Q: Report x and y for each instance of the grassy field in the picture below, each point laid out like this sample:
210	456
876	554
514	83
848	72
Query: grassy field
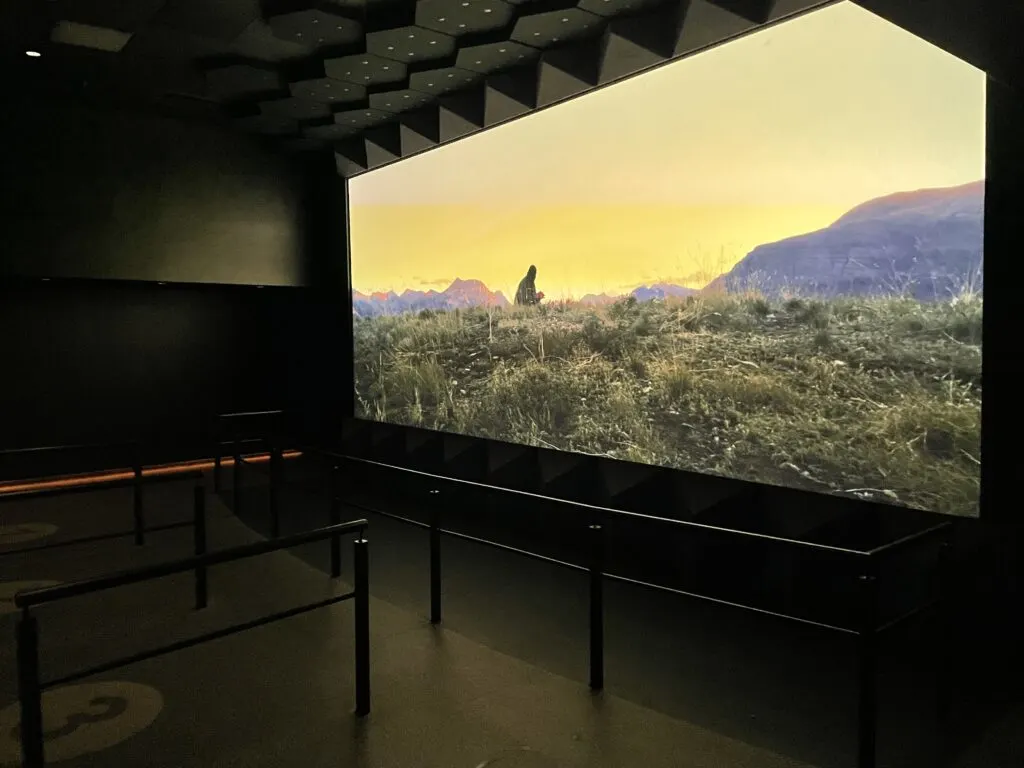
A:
878	398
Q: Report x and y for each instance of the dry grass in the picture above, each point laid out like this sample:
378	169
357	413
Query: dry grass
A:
877	398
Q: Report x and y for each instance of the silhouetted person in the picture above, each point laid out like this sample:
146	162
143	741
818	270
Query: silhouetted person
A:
526	294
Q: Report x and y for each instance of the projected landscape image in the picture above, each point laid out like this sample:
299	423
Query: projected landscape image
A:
763	262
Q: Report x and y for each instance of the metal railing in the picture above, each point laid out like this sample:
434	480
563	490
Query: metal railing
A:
866	632
236	440
137	480
31	686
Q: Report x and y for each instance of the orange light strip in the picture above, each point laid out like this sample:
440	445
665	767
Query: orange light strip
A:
97	478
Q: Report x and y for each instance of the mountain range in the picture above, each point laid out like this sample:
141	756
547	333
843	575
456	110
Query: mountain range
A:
927	244
459	295
473	293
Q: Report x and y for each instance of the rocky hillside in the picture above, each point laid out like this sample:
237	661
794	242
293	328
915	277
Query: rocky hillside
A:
927	244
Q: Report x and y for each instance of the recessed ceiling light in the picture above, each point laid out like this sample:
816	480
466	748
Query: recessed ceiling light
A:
406	96
462	26
487	10
433	42
565	19
391	47
33	54
411	36
316	21
441	18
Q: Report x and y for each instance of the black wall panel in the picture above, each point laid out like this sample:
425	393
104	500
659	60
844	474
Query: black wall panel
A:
88	361
106	194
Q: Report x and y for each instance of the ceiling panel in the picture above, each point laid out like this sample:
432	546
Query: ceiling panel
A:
400	100
444	80
127	17
328	90
362	118
492	57
296	109
463	17
545	29
218	19
410	44
366	69
316	29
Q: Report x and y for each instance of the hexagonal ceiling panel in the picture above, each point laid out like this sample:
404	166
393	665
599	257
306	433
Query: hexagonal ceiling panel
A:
334	69
410	44
365	69
494	56
463	17
399	101
556	27
296	109
328	90
616	7
316	28
440	81
331	131
362	118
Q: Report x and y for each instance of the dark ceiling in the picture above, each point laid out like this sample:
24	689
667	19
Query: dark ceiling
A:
375	80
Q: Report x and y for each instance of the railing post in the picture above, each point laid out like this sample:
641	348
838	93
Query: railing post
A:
943	693
236	479
435	565
362	625
30	691
335	518
199	535
275	471
596	607
137	514
867	663
217	450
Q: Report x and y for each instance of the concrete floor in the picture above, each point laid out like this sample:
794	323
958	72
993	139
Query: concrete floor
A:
501	684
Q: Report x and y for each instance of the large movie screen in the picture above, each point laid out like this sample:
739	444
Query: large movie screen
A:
762	262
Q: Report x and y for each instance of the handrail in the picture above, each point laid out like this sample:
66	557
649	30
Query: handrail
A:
854	553
33	597
87	482
69	447
901	542
244	414
865	633
613	576
31	686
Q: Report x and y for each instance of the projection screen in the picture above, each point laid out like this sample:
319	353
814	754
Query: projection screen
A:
763	262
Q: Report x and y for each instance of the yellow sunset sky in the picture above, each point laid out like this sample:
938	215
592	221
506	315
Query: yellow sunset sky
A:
677	174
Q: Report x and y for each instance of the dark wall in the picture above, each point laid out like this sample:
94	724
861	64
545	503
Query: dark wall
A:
94	361
107	194
130	271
